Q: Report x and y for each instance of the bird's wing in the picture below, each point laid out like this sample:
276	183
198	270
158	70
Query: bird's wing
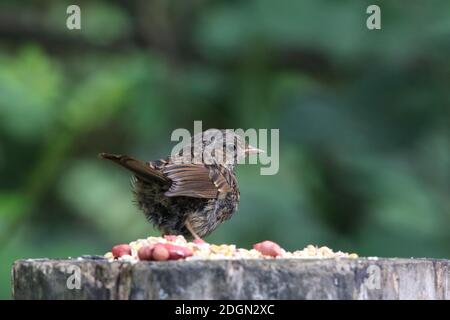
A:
195	180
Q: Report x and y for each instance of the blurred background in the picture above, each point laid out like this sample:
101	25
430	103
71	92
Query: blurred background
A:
363	118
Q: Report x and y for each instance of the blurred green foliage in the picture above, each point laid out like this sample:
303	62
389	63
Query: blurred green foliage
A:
363	117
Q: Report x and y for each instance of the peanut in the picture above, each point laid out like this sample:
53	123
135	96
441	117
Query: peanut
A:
268	248
177	252
120	250
160	252
145	253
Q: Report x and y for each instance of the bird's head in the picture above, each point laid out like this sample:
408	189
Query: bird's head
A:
221	146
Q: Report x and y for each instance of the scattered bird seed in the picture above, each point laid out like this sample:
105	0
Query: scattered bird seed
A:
176	247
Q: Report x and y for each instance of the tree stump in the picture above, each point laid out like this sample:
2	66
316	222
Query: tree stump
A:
363	278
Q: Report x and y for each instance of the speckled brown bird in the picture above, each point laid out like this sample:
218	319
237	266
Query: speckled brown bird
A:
184	195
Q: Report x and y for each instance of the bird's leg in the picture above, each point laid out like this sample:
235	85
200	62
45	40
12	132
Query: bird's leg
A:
191	230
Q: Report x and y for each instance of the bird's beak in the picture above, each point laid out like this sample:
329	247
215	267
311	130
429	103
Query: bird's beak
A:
253	150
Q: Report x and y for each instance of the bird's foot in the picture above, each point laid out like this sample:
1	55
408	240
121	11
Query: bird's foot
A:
197	239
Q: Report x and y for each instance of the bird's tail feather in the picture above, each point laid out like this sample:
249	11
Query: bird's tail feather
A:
139	168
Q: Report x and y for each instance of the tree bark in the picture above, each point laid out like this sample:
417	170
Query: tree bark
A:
362	278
